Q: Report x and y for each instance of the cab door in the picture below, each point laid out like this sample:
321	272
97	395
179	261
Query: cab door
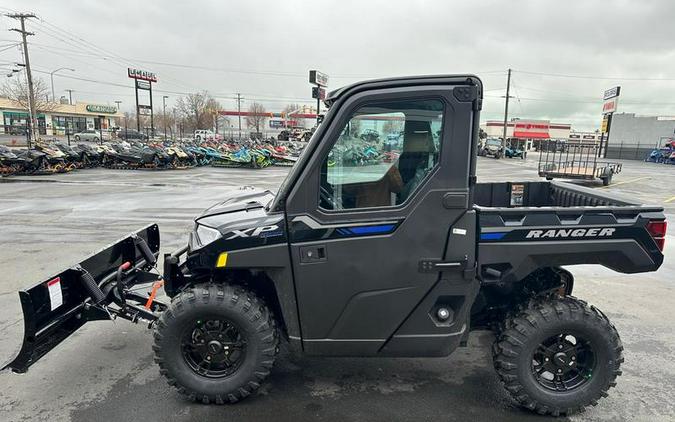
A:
375	204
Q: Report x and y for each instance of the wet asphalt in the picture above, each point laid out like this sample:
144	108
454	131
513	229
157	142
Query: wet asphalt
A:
105	371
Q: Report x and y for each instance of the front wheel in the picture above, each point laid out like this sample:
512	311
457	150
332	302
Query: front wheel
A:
558	356
216	343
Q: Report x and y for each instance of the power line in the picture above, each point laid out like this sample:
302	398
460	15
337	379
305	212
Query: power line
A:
619	78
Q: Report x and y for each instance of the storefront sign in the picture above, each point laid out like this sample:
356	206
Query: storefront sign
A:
141	74
534	129
603	127
95	108
318	78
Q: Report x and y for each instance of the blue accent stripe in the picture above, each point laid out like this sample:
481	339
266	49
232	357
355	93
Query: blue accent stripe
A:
372	229
492	236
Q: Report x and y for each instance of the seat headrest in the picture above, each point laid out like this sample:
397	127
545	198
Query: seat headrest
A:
417	137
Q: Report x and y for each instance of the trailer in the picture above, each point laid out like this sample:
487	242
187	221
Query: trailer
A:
575	161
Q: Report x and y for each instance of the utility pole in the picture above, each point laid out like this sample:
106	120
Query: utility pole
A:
239	98
164	97
31	96
506	104
70	96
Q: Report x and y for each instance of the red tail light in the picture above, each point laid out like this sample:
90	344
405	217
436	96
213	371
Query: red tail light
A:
657	229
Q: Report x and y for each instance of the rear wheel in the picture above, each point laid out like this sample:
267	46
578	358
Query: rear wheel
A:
215	343
558	356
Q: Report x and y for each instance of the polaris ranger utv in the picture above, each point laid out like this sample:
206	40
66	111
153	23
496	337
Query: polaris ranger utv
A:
384	259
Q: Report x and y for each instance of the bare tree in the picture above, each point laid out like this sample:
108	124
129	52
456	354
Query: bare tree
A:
290	108
16	89
257	117
197	110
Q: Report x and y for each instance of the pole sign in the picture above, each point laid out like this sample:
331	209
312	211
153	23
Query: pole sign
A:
143	80
318	78
611	100
612	92
141	74
603	127
141	84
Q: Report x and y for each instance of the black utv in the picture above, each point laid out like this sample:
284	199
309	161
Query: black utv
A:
401	258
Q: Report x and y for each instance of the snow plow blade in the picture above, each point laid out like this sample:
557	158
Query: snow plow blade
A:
95	289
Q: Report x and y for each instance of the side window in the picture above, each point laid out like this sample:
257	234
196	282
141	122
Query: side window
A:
382	155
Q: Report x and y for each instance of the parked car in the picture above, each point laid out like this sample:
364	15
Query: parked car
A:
207	135
127	134
18	130
88	135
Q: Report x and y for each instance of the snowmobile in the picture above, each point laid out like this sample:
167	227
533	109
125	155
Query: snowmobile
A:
91	156
34	161
56	159
72	156
200	154
10	163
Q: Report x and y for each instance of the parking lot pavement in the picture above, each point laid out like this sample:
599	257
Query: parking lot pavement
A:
105	371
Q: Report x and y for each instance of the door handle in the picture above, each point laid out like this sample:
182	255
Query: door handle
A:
310	254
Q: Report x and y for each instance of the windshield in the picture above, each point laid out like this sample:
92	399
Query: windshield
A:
494	142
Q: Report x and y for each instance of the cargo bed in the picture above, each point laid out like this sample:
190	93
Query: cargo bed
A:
524	226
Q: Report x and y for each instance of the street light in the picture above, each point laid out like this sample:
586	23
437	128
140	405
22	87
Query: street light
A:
51	76
164	112
118	102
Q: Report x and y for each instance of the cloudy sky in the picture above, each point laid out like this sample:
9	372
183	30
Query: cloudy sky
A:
564	53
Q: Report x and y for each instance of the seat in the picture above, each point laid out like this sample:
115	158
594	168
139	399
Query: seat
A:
414	162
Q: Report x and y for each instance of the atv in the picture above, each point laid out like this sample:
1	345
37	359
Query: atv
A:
401	259
512	152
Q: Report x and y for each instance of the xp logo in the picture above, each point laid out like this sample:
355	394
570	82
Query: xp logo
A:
262	231
564	233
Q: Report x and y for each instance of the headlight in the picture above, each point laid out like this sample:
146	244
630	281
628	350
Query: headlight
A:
206	235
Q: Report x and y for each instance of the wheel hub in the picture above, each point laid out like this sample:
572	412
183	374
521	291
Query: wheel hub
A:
214	348
563	362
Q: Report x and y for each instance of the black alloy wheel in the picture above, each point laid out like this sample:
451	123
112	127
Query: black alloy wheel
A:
214	348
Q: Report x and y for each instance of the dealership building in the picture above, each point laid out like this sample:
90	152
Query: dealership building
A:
632	136
77	117
527	132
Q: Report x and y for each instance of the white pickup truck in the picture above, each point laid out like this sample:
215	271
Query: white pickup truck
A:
207	135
